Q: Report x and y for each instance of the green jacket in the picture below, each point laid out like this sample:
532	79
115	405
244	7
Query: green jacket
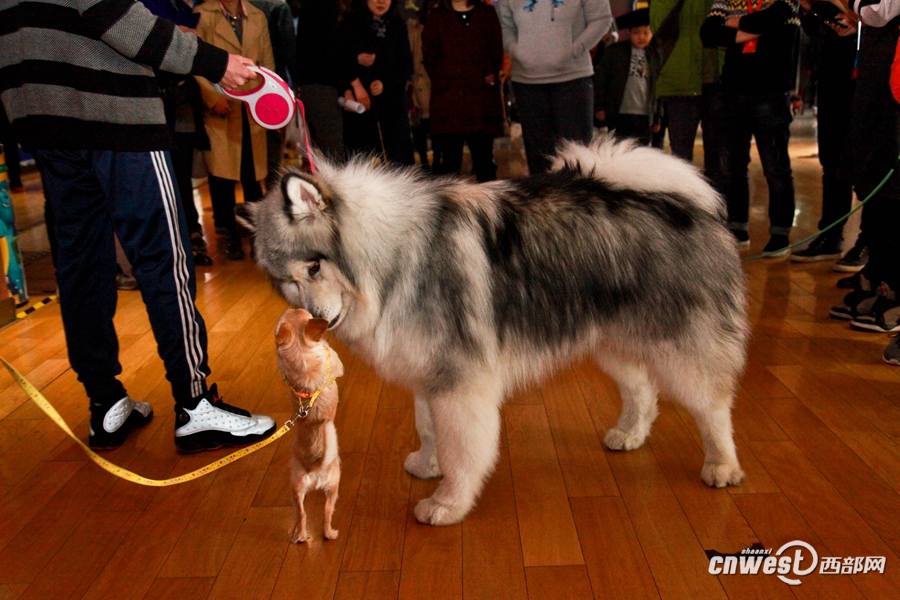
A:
690	65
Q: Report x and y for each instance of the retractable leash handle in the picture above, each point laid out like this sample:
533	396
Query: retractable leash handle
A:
272	104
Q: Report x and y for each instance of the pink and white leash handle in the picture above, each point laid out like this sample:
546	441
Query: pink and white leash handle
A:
272	104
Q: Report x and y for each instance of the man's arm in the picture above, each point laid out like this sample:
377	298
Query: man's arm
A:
133	31
507	25
713	32
599	18
877	13
769	19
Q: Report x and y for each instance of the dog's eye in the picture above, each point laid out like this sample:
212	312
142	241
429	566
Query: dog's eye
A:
314	269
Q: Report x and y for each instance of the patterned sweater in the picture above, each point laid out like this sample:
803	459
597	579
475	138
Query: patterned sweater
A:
766	66
78	74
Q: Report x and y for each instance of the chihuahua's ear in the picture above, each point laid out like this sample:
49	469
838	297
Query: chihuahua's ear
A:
302	199
284	334
315	329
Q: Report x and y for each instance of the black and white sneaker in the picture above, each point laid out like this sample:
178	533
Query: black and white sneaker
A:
857	304
855	259
892	353
110	425
884	316
778	246
210	424
741	238
823	247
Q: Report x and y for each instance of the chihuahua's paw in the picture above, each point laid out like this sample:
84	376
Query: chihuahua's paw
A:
298	536
331	534
422	465
432	512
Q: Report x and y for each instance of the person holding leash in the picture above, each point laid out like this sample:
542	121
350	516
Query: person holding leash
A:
77	88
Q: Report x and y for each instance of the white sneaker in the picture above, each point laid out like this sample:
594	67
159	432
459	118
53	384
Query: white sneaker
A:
110	425
211	424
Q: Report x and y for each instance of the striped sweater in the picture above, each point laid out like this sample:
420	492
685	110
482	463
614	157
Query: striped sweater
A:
78	74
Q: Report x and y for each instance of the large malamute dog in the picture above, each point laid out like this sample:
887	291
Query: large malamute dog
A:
463	292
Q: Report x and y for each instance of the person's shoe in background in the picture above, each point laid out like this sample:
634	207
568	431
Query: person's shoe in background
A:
778	246
855	259
823	247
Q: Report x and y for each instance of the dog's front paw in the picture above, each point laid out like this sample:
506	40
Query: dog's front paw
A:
617	439
422	465
720	475
298	535
431	512
331	534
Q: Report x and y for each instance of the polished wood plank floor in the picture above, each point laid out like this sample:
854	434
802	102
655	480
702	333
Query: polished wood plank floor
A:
817	424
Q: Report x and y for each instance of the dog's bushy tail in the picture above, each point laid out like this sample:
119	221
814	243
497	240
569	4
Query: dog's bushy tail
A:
623	164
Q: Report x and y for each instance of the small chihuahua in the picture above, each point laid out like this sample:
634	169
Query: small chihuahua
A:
310	367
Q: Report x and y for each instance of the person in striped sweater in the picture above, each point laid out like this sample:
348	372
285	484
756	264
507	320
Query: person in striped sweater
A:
77	81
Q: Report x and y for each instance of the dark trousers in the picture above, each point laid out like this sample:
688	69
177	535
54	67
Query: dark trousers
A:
882	218
715	144
835	104
767	119
183	164
552	112
221	191
481	147
323	117
382	130
96	196
635	127
682	116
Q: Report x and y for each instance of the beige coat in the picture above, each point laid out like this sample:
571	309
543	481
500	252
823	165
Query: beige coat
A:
224	158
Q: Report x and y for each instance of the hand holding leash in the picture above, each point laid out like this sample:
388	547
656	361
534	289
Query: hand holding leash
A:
270	102
238	71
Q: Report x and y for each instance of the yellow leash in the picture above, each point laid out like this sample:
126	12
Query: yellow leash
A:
125	474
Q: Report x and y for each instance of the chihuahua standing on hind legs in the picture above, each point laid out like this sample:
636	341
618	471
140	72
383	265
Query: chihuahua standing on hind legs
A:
310	367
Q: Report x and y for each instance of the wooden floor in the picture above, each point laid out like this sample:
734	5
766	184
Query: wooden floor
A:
817	425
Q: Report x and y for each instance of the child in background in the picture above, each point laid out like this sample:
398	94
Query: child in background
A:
376	41
626	81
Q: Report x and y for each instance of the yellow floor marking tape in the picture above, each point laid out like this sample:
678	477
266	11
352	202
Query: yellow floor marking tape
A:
118	471
37	305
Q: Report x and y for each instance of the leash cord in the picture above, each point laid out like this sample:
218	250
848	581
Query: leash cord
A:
839	221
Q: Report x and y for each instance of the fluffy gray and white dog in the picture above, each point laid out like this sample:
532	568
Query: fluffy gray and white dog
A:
463	292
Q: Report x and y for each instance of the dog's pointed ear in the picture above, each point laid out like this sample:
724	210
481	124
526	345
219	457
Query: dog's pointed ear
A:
301	198
315	329
283	334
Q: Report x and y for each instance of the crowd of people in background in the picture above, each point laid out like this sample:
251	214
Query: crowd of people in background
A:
416	81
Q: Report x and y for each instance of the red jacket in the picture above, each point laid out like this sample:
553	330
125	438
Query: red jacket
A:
458	58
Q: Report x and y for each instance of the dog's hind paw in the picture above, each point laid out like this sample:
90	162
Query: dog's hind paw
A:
617	439
331	534
432	512
421	465
720	475
298	537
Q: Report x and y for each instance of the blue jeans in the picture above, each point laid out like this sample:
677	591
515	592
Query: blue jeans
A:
767	118
92	197
552	112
